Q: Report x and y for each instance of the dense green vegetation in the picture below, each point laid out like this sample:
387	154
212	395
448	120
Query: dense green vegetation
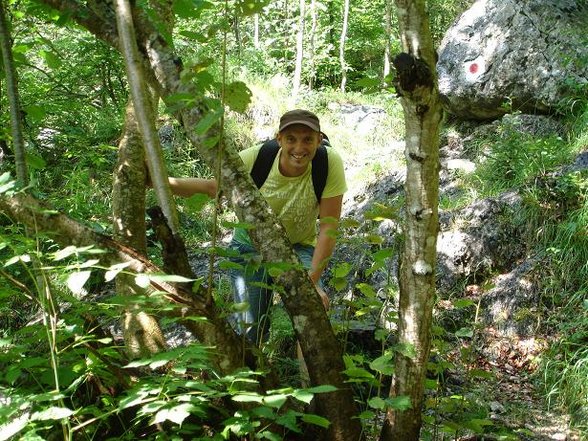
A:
64	375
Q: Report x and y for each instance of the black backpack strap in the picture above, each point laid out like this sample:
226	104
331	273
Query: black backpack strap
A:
263	163
320	169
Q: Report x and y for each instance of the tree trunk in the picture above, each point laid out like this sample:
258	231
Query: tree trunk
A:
388	34
311	62
143	105
256	31
299	51
416	83
342	46
13	100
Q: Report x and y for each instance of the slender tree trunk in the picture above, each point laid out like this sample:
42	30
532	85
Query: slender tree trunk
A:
141	331
13	99
342	46
256	31
144	113
312	54
388	33
299	51
416	82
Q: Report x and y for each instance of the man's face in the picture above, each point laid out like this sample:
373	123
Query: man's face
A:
299	145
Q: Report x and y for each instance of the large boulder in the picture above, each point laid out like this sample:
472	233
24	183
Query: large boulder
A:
504	55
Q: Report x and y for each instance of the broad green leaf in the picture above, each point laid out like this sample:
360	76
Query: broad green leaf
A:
76	281
377	403
480	373
248	398
238	96
35	112
52	60
405	349
276	400
227	265
142	280
197	202
399	403
464	332
250	7
210	119
366	289
342	269
383	364
266	434
35	162
52	413
190	8
114	270
169	278
316	420
463	303
175	414
325	388
8	431
244	225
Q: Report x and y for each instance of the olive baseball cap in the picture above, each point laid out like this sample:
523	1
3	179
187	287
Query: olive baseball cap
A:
300	116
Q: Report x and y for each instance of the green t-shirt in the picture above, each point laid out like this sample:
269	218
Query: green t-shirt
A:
292	199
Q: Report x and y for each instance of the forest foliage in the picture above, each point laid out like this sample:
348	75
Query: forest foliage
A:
63	376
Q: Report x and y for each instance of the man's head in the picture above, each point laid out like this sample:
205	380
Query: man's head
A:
299	137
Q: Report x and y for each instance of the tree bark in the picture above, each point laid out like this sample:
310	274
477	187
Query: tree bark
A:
18	146
342	45
299	51
144	112
388	33
312	49
416	83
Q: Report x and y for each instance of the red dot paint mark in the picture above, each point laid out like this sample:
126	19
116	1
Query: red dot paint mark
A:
473	68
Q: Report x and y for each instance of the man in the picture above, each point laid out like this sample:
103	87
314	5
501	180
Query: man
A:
290	193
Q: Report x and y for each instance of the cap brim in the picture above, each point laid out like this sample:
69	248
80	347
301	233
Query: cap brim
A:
304	123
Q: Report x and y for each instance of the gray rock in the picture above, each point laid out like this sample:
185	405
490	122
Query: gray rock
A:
504	55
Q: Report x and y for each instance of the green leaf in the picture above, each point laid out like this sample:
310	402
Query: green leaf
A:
377	403
341	270
210	119
35	162
76	281
52	60
197	202
480	373
190	8
325	388
316	420
275	401
114	270
52	413
464	332
366	289
383	364
463	303
405	349
399	403
247	398
142	280
227	265
238	96
34	112
250	7
172	278
175	414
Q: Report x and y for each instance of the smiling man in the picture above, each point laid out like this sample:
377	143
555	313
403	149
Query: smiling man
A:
289	189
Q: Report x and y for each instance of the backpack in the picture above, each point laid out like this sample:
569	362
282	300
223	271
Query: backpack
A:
267	154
